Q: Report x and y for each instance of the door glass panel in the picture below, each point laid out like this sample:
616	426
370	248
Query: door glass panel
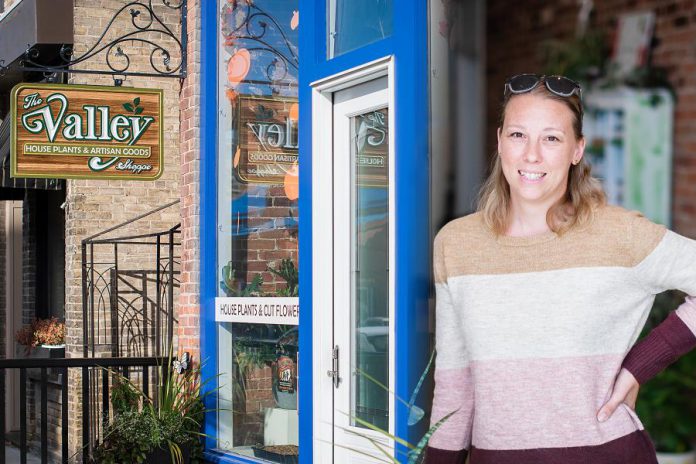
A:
370	268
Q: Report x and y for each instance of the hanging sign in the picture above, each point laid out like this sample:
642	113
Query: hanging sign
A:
267	148
258	310
86	132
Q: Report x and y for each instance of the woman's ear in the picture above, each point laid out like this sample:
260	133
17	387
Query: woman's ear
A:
498	135
579	150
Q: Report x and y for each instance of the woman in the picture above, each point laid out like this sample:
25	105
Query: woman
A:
541	295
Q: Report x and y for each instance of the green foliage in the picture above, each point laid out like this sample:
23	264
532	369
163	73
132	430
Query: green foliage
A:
289	273
124	397
129	438
416	452
250	356
581	58
586	60
171	423
667	403
228	283
286	271
134	434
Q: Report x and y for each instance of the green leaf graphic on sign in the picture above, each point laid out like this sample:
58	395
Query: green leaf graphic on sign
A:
128	107
136	102
139	110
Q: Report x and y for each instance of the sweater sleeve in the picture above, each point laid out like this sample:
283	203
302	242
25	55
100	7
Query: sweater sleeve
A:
453	382
670	264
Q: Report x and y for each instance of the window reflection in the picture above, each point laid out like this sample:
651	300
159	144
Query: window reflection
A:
257	183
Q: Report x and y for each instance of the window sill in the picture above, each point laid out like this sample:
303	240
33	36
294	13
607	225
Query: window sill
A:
221	457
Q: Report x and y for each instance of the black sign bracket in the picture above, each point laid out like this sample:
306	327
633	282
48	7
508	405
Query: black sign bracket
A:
140	29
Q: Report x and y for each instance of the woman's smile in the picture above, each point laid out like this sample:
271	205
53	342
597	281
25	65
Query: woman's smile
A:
532	177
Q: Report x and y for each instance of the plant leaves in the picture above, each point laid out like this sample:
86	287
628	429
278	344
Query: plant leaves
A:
139	110
415	413
370	426
136	102
128	107
414	458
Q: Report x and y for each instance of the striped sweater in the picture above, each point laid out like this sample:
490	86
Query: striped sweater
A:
532	331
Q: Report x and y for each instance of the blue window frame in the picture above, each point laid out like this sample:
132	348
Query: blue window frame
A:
408	44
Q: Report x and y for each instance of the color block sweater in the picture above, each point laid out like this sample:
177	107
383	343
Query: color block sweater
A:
532	331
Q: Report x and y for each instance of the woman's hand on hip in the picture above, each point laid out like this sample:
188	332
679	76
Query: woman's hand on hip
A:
625	391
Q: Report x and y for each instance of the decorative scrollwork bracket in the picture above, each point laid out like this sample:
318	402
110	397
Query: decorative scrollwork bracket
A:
144	30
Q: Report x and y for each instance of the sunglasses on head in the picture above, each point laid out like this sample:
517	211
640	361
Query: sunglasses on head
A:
558	85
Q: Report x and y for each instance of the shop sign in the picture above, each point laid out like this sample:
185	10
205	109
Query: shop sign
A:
86	132
258	310
267	148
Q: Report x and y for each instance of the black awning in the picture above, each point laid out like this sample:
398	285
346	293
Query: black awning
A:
34	22
19	183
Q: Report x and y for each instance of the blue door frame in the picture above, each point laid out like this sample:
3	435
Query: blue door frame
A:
408	46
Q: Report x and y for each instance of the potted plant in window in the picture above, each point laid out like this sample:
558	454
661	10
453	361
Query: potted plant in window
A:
667	403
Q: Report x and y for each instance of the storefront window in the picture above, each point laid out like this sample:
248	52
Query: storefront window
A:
257	254
355	23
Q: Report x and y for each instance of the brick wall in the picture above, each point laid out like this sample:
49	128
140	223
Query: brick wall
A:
255	397
269	242
3	288
189	296
29	244
513	36
95	205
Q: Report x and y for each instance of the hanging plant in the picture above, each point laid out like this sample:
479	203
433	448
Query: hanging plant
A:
582	58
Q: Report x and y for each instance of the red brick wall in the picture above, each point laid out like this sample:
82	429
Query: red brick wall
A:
513	36
249	416
189	295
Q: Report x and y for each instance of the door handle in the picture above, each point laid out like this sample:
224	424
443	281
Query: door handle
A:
333	373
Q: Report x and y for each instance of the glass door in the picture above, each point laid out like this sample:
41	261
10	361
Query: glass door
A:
362	316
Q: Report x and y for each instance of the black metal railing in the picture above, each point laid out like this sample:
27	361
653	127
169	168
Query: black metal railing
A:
128	290
91	370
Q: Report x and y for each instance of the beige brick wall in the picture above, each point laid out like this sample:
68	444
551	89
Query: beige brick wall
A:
95	205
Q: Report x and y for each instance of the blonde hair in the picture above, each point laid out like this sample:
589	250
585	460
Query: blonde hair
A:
583	193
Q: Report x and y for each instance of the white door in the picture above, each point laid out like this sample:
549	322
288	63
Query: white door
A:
357	337
13	309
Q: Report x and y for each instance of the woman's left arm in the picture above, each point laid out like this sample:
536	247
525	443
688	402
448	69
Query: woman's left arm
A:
665	261
670	265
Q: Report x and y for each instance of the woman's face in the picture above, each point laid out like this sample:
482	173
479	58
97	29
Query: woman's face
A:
537	146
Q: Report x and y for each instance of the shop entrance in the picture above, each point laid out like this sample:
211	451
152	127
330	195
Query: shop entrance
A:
352	274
